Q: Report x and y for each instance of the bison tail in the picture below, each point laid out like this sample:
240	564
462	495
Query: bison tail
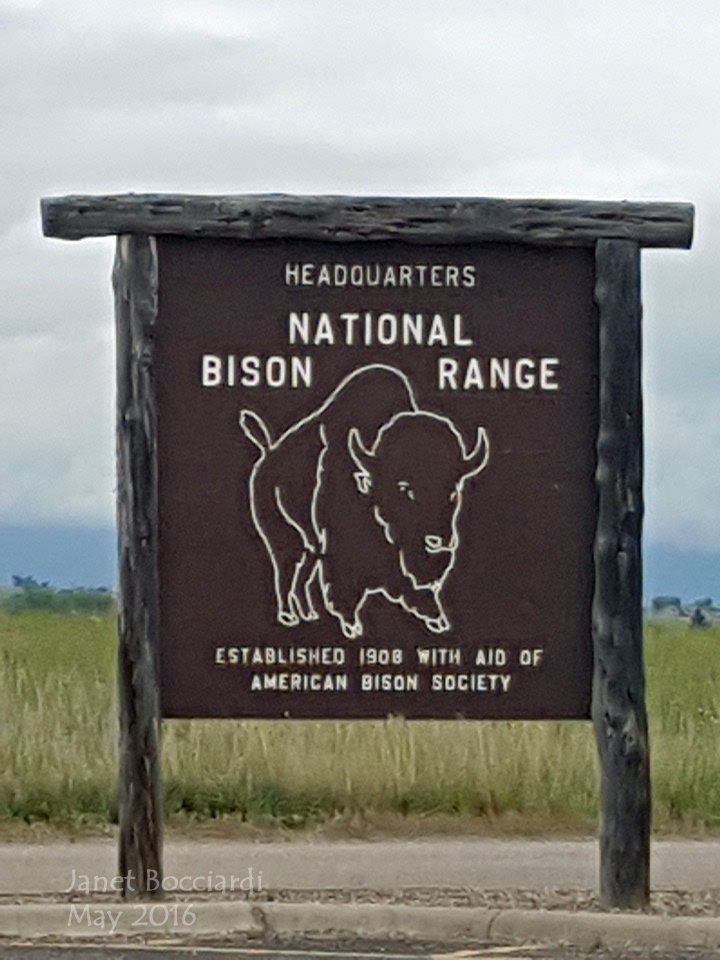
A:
255	430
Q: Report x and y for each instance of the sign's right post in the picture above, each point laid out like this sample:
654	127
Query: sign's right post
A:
618	701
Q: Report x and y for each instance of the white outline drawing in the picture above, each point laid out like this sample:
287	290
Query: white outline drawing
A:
300	546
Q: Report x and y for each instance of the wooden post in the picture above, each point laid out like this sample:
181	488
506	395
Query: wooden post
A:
618	709
140	806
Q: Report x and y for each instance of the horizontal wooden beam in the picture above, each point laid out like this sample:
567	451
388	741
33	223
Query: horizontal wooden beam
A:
348	219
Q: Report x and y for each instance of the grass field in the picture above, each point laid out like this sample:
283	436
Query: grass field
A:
58	750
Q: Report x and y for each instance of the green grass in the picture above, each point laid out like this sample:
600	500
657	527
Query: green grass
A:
683	694
58	749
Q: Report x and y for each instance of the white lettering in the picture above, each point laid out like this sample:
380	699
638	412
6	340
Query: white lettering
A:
499	371
405	275
525	381
300	682
301	370
389	682
547	373
470	682
412	327
324	331
439	656
379	275
78	916
531	658
447	373
458	338
490	657
299	326
473	375
276	371
250	367
350	321
211	370
437	333
387	329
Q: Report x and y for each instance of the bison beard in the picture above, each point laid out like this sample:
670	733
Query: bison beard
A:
360	519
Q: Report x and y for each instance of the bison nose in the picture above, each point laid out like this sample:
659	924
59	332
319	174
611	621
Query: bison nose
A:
434	543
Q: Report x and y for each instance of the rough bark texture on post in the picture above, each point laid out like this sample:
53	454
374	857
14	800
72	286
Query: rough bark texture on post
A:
140	810
618	710
348	219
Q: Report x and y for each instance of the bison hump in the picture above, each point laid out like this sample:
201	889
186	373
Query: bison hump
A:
366	399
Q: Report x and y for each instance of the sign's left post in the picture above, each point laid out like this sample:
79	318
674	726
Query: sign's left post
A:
135	281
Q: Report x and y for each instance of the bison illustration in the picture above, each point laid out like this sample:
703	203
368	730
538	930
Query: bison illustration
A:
362	497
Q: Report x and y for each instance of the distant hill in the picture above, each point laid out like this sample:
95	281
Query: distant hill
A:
684	573
73	556
64	556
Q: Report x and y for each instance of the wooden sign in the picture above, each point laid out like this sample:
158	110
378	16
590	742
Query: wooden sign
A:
381	456
376	479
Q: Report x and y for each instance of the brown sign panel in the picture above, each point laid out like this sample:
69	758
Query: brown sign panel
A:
376	478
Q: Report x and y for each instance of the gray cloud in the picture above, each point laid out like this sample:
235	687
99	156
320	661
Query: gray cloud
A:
411	97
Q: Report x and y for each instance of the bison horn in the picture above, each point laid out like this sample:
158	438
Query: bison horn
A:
477	459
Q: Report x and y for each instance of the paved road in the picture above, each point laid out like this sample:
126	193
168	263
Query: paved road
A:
326	951
488	864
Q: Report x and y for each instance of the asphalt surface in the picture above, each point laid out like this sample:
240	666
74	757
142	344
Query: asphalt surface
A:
63	892
350	951
482	864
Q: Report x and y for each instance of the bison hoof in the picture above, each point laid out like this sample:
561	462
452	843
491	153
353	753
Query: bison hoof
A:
440	624
288	619
309	614
351	630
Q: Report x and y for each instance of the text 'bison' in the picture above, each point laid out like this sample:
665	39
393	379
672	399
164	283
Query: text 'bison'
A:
362	497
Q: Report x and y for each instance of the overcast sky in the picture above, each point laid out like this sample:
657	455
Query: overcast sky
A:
513	98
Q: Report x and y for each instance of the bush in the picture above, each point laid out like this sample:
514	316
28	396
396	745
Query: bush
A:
28	595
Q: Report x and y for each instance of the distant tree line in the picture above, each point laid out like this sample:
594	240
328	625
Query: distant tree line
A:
28	594
701	612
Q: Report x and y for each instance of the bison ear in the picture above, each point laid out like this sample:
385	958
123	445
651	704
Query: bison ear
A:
477	459
363	461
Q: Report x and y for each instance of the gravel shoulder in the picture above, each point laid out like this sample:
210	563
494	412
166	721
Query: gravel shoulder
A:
666	903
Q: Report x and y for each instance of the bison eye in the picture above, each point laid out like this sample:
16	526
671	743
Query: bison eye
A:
405	488
455	496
